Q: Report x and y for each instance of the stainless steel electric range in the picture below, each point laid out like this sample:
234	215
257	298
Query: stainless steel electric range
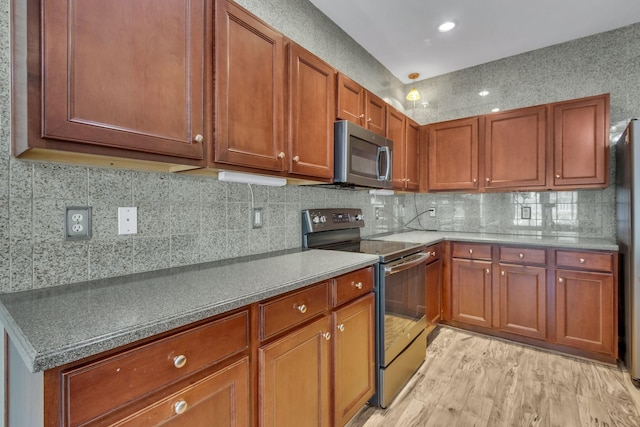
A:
400	287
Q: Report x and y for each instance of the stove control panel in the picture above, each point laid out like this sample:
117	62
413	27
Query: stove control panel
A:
315	220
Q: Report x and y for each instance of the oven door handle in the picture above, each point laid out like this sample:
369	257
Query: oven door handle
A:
414	261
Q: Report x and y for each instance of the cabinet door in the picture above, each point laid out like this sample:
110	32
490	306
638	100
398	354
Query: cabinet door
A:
294	378
249	90
523	307
471	291
354	357
222	396
126	73
581	142
515	148
453	155
412	155
350	100
585	308
434	292
375	112
312	87
396	133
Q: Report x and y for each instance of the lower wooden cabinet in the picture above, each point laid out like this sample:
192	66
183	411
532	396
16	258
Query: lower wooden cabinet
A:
433	304
222	396
585	310
294	378
523	295
471	291
354	358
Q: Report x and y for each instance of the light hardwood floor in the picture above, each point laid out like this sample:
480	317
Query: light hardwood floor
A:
473	380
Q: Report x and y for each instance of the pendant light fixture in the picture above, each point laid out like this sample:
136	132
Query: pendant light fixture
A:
413	94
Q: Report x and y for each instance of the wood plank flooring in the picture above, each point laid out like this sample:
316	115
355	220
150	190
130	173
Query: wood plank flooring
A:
473	380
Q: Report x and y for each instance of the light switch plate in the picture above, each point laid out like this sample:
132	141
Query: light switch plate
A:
128	220
77	223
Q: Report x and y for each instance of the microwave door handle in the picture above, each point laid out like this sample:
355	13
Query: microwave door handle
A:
384	177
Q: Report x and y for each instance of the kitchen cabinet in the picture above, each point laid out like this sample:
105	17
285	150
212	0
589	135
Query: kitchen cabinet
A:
433	305
471	284
249	91
515	149
184	376
586	296
358	105
581	143
405	134
523	291
127	79
453	155
311	102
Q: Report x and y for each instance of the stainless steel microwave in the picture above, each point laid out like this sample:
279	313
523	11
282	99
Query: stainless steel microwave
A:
361	158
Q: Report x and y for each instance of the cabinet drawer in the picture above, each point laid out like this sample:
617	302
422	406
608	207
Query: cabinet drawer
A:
522	255
471	251
351	285
99	387
290	310
601	261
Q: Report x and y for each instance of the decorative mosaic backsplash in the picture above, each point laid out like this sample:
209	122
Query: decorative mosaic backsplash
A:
186	219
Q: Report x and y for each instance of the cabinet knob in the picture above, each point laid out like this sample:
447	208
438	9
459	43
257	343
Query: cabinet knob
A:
470	251
302	308
198	138
488	179
502	273
433	254
296	159
180	361
358	285
582	261
558	176
341	327
326	336
281	155
488	271
560	280
521	256
180	407
475	180
361	116
369	119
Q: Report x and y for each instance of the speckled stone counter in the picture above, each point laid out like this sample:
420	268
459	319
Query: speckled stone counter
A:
54	326
431	237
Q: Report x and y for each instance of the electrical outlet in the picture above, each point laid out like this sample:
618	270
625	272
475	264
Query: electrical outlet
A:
77	223
525	212
432	212
257	218
128	220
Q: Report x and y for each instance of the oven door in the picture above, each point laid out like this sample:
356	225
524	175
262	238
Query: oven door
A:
401	305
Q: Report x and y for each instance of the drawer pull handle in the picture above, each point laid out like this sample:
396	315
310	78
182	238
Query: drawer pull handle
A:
341	327
502	273
560	280
358	285
326	336
488	271
582	260
521	256
557	176
433	254
180	361
470	251
302	308
180	407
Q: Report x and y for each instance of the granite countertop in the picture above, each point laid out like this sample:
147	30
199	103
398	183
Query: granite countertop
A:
431	237
54	326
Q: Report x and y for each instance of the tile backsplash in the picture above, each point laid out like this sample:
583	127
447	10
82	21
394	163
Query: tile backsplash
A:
185	219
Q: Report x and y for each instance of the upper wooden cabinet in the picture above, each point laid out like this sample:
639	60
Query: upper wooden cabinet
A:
515	148
453	155
249	90
311	102
360	106
405	134
581	142
114	78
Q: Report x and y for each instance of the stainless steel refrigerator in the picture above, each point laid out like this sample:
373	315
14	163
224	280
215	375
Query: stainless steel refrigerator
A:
628	230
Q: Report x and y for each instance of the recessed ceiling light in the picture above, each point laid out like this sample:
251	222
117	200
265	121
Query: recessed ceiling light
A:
483	93
495	110
446	26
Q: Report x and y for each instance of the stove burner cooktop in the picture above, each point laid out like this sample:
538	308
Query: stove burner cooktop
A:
386	250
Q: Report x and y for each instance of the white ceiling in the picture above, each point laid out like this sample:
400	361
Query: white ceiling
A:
403	34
